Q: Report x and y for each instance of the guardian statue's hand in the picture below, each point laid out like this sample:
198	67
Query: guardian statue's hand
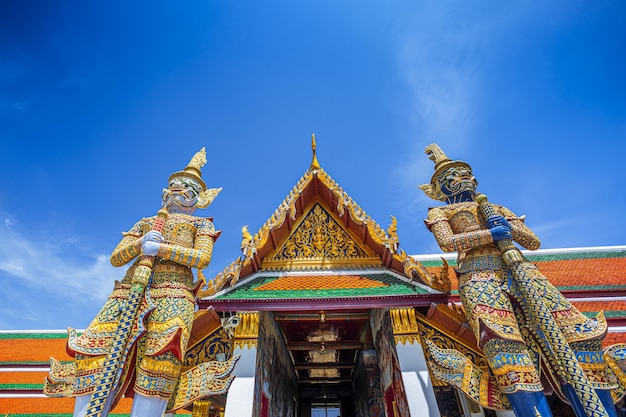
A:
499	233
494	221
152	236
499	227
150	248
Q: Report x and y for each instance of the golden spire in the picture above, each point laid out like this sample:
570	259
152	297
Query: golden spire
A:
314	163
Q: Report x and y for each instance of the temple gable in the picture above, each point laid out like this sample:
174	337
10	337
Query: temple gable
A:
319	240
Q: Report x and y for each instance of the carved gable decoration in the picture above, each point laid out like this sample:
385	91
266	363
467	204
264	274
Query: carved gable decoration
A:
320	241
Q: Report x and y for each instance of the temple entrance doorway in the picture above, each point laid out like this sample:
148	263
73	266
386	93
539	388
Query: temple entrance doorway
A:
330	353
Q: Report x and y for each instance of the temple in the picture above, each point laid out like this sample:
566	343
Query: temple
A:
330	317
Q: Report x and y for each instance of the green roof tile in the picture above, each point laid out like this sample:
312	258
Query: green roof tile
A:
391	286
541	257
4	387
547	257
611	314
60	335
591	287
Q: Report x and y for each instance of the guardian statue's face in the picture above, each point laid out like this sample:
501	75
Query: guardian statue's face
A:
181	195
457	180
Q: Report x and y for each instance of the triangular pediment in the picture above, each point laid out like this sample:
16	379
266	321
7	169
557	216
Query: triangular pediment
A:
320	240
318	226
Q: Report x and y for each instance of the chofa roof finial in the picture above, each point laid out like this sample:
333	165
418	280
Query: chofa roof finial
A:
314	164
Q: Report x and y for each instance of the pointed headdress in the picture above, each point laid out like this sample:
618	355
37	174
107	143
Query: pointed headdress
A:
193	171
442	163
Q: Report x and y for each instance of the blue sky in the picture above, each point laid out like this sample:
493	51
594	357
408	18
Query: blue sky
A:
100	102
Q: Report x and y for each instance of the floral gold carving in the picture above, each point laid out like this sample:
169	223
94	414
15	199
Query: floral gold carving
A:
319	238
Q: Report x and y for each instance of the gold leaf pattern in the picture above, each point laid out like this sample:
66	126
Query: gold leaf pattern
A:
319	236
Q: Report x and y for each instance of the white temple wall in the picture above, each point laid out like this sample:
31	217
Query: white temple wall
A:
246	364
417	383
240	397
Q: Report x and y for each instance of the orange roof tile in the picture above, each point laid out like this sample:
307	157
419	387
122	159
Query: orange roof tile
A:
320	282
585	272
22	377
55	406
50	406
614	338
610	307
580	273
32	350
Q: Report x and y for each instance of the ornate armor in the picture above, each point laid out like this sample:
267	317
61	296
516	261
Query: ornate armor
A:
520	320
171	290
485	293
136	344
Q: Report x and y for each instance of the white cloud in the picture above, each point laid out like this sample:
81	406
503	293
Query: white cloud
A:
441	56
437	57
49	264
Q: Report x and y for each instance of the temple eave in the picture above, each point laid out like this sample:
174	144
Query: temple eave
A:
326	304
